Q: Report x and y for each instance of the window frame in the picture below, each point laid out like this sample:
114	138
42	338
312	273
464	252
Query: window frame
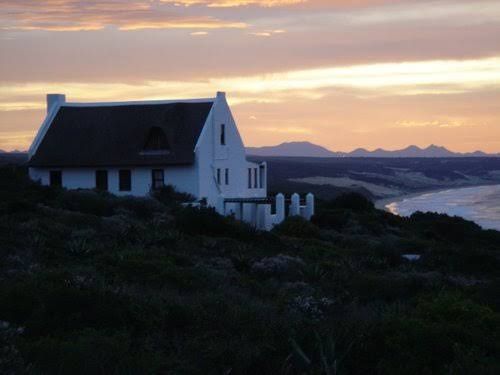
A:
157	142
222	134
217	176
255	178
249	178
101	176
261	177
55	178
157	183
226	176
125	180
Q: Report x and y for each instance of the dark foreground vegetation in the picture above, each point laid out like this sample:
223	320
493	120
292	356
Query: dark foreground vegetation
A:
95	284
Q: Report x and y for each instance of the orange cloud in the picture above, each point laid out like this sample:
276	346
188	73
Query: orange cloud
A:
87	15
77	15
235	3
278	3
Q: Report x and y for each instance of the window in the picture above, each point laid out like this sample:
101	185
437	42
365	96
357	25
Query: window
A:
223	134
125	180
249	178
101	180
55	178
227	176
157	141
218	176
261	176
158	179
255	178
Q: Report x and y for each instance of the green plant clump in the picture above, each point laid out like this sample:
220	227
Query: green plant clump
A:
91	283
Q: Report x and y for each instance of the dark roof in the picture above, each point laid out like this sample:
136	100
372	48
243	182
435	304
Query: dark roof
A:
115	135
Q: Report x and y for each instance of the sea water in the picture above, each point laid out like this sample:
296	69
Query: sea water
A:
480	204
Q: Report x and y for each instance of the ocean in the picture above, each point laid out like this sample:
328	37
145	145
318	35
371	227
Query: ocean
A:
480	204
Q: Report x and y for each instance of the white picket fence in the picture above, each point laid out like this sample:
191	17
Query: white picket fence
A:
258	211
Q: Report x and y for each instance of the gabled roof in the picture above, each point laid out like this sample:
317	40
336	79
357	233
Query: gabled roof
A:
115	134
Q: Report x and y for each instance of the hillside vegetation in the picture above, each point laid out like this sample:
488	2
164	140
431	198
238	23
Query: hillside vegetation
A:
95	284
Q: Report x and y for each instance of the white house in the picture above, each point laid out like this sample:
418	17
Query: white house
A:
132	148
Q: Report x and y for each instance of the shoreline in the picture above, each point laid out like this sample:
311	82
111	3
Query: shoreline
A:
381	204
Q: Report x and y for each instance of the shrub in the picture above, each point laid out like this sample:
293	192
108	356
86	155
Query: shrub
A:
148	268
142	208
445	331
386	288
102	284
351	201
296	226
441	226
170	197
277	266
11	361
90	352
331	218
207	221
87	201
55	303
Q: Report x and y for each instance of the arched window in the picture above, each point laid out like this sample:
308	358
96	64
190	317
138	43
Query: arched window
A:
157	141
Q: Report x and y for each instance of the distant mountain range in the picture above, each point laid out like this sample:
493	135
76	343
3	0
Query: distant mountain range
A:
293	149
13	152
308	149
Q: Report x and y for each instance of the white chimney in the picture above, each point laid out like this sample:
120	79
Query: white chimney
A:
53	100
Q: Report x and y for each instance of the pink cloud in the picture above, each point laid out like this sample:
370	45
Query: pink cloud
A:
77	15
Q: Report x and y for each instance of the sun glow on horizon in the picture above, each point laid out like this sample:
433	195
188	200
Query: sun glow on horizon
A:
372	79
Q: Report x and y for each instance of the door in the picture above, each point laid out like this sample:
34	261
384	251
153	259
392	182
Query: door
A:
101	180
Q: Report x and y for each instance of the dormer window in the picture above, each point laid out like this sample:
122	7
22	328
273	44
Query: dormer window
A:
156	142
223	134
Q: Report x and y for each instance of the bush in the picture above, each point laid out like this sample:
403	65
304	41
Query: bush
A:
207	221
147	268
11	361
331	218
55	303
351	201
297	226
446	331
90	352
87	201
93	283
170	197
143	208
441	226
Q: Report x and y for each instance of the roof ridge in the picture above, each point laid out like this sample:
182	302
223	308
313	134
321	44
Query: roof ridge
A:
135	102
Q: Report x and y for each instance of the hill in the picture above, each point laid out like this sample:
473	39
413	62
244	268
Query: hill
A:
92	283
292	149
307	149
13	158
432	151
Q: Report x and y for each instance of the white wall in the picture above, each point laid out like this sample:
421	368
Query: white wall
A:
183	178
211	155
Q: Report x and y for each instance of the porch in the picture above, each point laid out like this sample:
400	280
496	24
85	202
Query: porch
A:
264	213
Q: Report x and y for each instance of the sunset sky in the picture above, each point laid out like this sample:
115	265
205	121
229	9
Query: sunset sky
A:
343	74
